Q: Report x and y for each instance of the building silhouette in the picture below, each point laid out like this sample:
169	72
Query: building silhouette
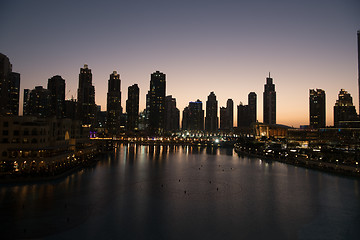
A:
230	114
252	103
86	107
227	116
269	101
224	119
344	110
211	119
317	108
172	115
243	116
156	103
114	109
56	86
37	102
70	109
193	116
9	88
132	108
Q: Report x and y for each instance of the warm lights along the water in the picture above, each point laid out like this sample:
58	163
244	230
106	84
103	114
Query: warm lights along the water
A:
142	192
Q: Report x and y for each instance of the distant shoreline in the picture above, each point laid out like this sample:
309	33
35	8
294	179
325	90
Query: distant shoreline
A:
340	170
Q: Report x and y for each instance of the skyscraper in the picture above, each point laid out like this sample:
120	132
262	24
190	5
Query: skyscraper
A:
132	108
317	108
172	114
211	119
38	102
230	113
56	86
243	117
224	119
193	116
9	88
344	110
252	107
227	116
156	103
86	107
269	101
114	110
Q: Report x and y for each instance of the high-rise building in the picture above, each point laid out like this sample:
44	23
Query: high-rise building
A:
132	108
193	117
227	116
172	115
224	119
156	103
317	108
252	103
269	101
344	110
243	115
39	102
211	119
86	107
56	86
26	102
230	113
9	88
114	110
70	109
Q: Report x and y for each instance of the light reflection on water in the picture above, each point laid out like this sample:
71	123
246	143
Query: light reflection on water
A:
180	192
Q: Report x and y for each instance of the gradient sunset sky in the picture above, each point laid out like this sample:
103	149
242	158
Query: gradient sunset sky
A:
228	47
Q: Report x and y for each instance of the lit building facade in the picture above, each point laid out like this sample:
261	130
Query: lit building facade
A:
156	103
37	102
317	108
344	110
9	88
86	107
114	109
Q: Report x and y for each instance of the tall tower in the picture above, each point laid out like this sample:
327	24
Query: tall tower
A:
252	107
9	88
269	102
86	107
344	110
172	114
56	86
230	113
132	108
211	119
317	108
193	116
156	103
114	110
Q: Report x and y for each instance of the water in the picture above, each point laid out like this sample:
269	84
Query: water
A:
141	192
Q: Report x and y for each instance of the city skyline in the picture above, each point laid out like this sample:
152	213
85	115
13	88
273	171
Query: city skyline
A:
227	48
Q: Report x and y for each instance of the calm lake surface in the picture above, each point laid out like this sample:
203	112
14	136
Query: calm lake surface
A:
142	192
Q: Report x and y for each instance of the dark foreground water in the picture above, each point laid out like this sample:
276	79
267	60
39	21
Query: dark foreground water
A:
142	192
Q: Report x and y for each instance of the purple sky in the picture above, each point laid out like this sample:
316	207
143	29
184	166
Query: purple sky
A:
223	46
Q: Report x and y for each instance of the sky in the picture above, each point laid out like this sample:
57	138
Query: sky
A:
228	47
